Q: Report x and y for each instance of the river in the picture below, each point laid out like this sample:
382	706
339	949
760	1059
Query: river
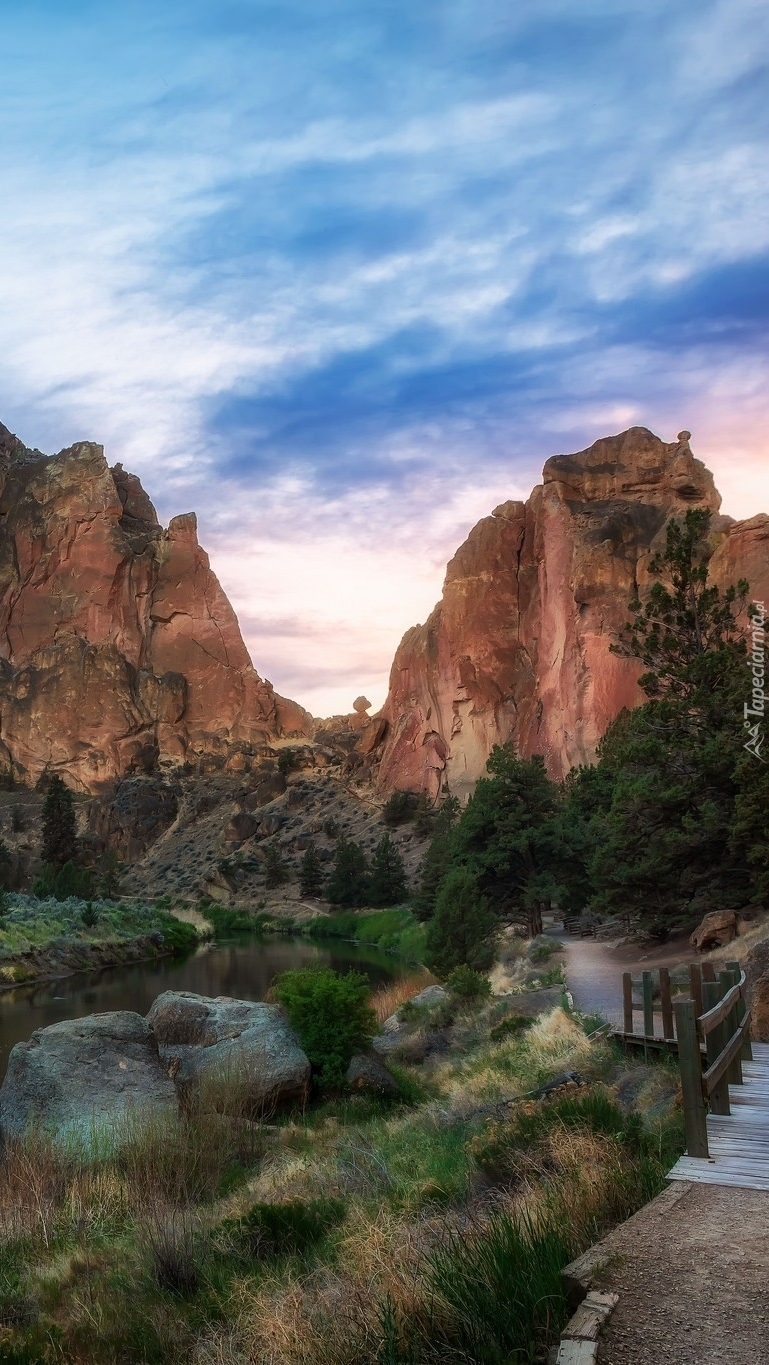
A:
243	968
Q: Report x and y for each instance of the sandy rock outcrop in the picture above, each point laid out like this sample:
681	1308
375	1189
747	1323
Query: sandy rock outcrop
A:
82	1075
248	1043
518	647
118	647
715	930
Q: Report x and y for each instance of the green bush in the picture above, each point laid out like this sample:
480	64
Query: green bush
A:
467	984
276	872
287	1229
394	931
509	1027
234	919
542	948
178	937
287	760
89	915
400	808
331	1015
64	882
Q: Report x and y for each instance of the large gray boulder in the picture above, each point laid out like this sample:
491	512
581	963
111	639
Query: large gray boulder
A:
242	1043
84	1076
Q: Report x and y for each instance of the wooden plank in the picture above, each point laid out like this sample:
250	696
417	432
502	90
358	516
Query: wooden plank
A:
717	1069
729	984
648	1004
695	985
627	1002
690	1064
747	1050
714	1082
715	1016
708	971
589	1318
667	1007
577	1352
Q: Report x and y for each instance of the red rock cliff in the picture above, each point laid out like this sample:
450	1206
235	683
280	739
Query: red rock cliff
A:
117	644
518	647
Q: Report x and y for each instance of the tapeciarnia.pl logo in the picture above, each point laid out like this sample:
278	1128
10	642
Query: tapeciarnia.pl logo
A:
756	707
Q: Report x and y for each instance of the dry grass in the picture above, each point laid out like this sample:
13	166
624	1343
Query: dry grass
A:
389	998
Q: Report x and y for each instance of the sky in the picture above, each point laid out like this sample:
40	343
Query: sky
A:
340	277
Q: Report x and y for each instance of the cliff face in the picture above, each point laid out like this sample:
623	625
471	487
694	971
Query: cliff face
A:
117	645
518	647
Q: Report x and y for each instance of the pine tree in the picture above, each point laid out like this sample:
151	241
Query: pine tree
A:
311	873
387	880
108	878
463	928
348	883
515	836
437	859
59	825
683	833
275	871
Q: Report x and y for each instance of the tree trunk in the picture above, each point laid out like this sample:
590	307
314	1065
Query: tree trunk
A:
535	919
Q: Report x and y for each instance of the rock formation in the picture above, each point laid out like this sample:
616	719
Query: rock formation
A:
85	1074
118	647
246	1042
518	647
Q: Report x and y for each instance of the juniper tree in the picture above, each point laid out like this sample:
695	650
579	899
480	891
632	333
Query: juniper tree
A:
348	883
311	872
59	825
387	879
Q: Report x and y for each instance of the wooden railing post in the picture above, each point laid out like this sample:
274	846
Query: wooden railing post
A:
712	993
690	1063
627	1002
742	1009
695	984
648	1001
728	979
667	1007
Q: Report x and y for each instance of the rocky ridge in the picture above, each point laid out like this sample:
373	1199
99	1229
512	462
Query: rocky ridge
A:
518	648
118	648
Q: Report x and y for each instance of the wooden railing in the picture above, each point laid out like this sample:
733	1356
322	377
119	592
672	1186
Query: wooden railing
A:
713	1032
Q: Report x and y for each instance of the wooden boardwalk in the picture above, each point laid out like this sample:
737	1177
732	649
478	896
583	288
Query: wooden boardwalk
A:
738	1142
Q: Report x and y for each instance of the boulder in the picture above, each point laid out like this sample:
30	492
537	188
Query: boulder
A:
247	1041
242	826
715	930
85	1073
265	790
394	1029
368	1073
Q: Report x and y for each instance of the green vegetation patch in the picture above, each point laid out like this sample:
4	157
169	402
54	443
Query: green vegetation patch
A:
287	1229
394	931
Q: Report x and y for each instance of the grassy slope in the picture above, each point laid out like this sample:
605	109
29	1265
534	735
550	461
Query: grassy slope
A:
147	1253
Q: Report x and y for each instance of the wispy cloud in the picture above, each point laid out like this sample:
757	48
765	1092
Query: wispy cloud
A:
341	276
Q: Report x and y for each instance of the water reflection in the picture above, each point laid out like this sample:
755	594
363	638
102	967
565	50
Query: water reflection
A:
242	967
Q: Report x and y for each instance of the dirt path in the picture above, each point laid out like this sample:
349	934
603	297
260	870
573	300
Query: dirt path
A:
691	1270
594	971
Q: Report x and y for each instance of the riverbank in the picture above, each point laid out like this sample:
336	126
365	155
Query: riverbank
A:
47	939
427	1226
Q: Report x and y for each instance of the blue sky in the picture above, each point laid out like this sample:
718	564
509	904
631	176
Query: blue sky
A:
340	277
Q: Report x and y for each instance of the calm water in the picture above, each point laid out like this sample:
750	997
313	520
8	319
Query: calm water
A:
242	967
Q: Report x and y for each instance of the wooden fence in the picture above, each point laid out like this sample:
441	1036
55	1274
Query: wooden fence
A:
713	1041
